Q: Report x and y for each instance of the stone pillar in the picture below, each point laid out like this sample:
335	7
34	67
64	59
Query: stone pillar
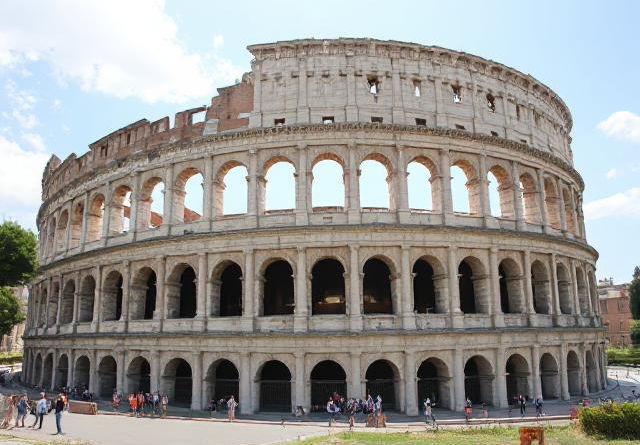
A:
564	380
535	368
93	372
517	197
501	379
554	286
207	191
201	293
351	109
528	285
97	302
135	199
302	206
167	211
410	381
246	406
408	316
543	202
446	200
353	204
121	374
249	292
155	371
457	317
574	281
563	219
355	298
300	321
158	313
459	396
59	297
196	392
71	370
126	286
583	369
401	178
483	183
54	369
494	273
357	388
252	186
300	386
85	221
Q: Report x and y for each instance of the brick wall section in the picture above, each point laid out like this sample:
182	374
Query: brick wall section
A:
616	313
231	102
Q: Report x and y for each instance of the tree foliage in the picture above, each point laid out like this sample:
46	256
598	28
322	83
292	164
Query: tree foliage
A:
10	311
18	254
634	294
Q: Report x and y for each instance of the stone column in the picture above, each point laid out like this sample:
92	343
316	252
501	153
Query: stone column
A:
85	221
517	197
252	186
457	317
501	379
583	370
155	371
408	316
483	183
201	293
355	313
563	219
535	368
159	312
356	391
564	380
245	384
71	370
196	392
126	286
93	371
554	286
135	199
167	211
494	273
574	281
401	178
300	320
249	292
446	200
458	398
121	374
300	386
97	302
60	289
54	369
543	202
302	206
351	109
207	192
410	381
353	204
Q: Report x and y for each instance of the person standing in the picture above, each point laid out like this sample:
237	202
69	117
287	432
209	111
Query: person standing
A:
59	408
22	411
538	403
165	404
522	403
41	409
231	408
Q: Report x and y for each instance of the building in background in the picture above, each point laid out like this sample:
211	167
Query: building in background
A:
616	310
13	341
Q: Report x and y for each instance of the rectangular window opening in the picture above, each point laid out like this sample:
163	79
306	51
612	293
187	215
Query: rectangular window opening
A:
421	122
328	119
524	141
491	103
278	122
517	111
374	85
460	127
128	138
494	133
416	88
457	93
376	119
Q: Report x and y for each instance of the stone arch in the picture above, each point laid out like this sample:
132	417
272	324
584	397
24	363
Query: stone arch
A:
593	292
226	297
38	369
81	372
139	375
383	379
87	299
62	371
274	380
517	377
278	289
530	199
120	209
564	289
472	204
278	187
504	208
377	285
473	286
222	380
107	376
75	231
177	382
422	171
552	203
327	287
182	292
147	217
328	175
188	189
549	377
574	374
512	299
47	371
434	380
68	297
583	291
112	296
143	294
540	284
569	211
52	306
51	236
327	377
43	308
478	380
95	217
429	283
61	230
382	196
591	372
231	189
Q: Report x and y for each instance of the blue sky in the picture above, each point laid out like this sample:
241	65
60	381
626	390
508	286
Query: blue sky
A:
73	71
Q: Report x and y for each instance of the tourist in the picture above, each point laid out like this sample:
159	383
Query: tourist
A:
115	401
428	410
468	409
231	408
22	407
33	410
165	403
8	415
485	410
156	403
352	407
538	403
133	405
140	397
522	403
41	409
59	408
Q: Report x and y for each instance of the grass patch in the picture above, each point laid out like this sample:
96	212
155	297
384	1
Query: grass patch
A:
9	358
624	356
564	435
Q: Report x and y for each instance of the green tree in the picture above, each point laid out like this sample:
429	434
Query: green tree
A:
634	294
635	332
18	254
10	311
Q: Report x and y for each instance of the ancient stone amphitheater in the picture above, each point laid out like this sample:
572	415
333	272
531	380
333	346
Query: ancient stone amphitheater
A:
283	306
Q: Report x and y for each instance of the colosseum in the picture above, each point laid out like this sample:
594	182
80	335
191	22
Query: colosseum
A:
139	291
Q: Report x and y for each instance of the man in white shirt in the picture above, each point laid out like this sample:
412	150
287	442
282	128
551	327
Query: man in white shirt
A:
41	409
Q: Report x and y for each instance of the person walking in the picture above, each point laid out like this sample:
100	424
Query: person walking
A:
428	411
41	409
22	411
59	408
165	404
231	408
522	403
538	403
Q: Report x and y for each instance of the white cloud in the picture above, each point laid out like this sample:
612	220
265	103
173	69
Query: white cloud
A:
612	173
35	140
218	41
26	120
622	125
624	204
119	48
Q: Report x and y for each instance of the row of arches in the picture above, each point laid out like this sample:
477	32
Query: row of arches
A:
378	293
433	378
509	194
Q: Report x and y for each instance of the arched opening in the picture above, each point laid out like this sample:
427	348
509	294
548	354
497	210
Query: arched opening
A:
75	230
424	292
540	287
62	371
552	203
500	193
382	380
139	375
472	283
142	295
231	196
188	197
280	187
177	382
182	292
82	372
223	381
465	188
549	377
511	295
583	292
433	382
66	310
43	309
376	287
564	289
94	220
478	380
61	230
278	289
275	387
107	376
327	378
592	370
327	287
421	193
574	376
52	306
517	370
569	211
51	235
47	371
38	371
87	298
327	188
112	297
120	210
529	196
151	204
375	183
229	289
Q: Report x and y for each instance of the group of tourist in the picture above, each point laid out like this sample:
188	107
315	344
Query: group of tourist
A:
521	402
337	404
19	406
229	403
143	404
